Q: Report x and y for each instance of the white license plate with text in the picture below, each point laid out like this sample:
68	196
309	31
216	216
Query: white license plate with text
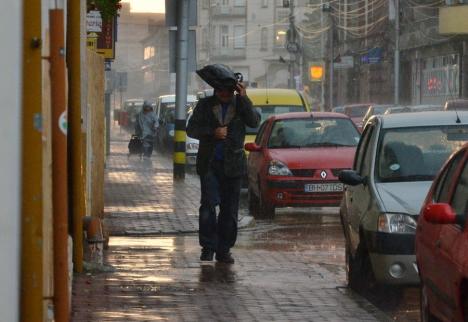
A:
323	187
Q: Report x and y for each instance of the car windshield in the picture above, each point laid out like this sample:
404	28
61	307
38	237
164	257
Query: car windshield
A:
268	110
313	132
356	111
416	153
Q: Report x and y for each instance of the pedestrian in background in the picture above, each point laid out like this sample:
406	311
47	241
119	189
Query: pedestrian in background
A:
145	128
219	123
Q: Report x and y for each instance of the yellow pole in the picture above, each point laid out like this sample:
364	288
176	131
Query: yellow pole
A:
31	203
77	206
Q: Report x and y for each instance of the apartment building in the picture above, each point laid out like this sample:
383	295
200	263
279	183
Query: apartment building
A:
248	36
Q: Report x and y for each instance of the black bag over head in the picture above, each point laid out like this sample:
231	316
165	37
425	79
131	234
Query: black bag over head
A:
219	76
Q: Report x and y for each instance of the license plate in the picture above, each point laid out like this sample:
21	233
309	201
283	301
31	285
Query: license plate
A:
323	187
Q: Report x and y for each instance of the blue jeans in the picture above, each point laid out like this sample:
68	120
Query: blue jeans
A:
218	233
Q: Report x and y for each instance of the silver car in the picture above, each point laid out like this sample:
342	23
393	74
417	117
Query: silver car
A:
396	160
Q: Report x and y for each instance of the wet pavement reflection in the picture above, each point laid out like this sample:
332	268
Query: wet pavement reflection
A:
287	269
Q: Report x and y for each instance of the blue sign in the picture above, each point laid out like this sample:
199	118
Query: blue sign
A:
373	56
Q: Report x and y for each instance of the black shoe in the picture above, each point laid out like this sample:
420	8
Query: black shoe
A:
224	258
206	255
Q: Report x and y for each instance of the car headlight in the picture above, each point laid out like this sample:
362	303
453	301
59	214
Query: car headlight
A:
278	168
192	146
397	223
171	132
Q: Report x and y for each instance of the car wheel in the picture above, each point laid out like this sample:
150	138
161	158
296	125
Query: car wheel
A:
426	315
359	269
253	204
267	211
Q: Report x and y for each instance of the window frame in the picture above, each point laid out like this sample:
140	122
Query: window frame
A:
363	145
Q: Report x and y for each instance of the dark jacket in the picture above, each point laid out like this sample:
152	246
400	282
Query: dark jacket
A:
207	117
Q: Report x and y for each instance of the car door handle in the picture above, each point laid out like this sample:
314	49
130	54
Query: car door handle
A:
437	243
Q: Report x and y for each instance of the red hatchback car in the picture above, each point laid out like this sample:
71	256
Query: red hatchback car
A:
442	243
295	161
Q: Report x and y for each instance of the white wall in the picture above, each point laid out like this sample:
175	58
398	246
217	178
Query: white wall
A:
10	161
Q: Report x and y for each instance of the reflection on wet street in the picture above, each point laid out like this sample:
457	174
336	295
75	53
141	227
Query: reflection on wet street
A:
287	269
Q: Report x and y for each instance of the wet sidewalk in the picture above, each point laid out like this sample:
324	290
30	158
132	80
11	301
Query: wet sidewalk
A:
289	269
141	197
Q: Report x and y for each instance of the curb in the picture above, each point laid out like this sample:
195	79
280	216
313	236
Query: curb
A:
243	222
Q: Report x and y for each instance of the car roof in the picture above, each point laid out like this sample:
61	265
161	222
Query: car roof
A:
360	105
134	100
422	119
301	115
274	96
171	98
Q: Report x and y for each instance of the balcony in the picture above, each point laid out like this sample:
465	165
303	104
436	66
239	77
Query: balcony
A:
225	11
452	20
227	53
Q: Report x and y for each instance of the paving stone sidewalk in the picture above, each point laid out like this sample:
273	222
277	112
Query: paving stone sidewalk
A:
141	197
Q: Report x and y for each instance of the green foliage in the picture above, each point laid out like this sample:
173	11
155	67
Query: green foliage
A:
108	8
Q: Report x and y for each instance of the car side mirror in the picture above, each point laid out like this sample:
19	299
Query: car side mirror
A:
252	147
351	178
440	213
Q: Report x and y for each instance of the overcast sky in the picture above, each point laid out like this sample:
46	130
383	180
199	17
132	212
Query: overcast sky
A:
146	5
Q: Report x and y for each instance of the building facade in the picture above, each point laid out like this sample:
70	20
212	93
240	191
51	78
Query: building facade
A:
133	28
248	36
358	37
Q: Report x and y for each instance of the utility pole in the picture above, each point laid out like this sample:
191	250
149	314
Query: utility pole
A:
397	52
326	7
181	88
291	44
332	55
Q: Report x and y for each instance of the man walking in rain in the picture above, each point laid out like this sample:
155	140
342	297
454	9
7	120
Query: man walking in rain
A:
219	122
145	128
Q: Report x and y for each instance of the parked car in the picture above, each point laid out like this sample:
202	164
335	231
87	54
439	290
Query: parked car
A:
165	112
132	107
377	109
168	102
397	158
191	146
398	109
426	108
338	109
458	104
274	101
442	242
295	161
356	112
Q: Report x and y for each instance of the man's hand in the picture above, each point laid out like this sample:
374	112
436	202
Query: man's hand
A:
240	89
220	133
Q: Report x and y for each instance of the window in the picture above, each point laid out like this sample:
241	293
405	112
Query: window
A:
313	133
239	36
417	153
265	3
362	148
282	15
268	110
148	76
239	3
261	131
280	37
442	188
224	36
148	52
264	39
460	197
